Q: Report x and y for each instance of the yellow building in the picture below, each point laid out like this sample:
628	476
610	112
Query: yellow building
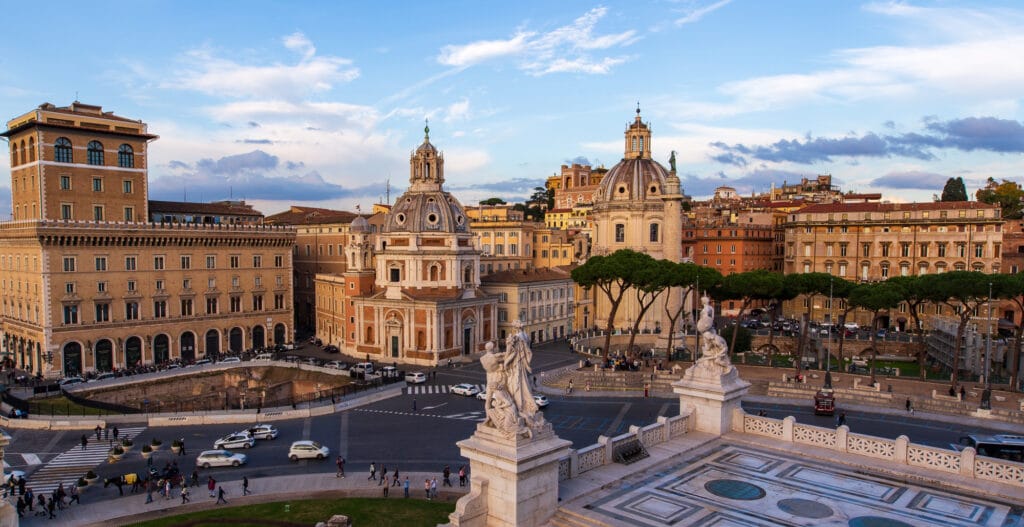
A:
543	299
552	248
90	285
505	238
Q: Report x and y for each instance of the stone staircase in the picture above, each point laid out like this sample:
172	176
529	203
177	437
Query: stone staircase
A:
565	517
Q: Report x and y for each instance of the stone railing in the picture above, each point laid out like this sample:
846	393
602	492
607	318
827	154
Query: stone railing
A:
899	451
601	454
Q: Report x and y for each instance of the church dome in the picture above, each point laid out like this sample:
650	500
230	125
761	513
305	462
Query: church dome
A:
426	212
637	177
359	225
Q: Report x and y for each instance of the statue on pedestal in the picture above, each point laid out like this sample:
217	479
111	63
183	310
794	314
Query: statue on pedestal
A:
508	402
714	359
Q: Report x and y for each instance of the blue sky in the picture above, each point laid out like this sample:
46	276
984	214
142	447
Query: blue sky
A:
319	103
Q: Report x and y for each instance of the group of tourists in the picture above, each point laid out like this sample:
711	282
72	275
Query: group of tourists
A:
396	479
40	505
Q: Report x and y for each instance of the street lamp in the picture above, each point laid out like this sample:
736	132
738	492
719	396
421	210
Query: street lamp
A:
986	401
828	345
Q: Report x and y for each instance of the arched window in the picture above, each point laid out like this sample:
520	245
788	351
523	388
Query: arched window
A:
31	149
641	144
62	150
14	154
125	156
433	273
23	149
95	150
467	274
634	144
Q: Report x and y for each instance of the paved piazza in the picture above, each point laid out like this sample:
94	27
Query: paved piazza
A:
742	486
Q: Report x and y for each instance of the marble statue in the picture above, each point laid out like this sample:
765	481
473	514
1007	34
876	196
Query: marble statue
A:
508	401
714	350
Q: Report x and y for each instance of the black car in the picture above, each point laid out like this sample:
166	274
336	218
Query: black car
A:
331	348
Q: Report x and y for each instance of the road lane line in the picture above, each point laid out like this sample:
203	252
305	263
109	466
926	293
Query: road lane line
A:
618	419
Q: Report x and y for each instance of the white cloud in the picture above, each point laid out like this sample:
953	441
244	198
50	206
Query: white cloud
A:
207	73
458	111
564	49
694	13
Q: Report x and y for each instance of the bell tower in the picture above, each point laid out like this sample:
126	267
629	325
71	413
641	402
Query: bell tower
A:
426	166
638	138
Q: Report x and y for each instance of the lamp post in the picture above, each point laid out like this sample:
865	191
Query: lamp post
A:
828	345
986	401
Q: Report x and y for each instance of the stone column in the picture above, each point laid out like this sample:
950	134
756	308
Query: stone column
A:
514	480
672	245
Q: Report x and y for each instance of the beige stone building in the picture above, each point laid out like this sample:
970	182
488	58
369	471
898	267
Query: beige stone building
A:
543	299
875	241
89	284
505	237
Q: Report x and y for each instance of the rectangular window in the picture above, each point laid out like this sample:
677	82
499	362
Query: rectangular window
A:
97	184
69	288
97	212
979	250
70	314
69	264
129	214
158	263
905	249
278	301
257	302
131	311
233	261
126	186
258	281
885	250
279	259
865	249
159	285
395	275
211	262
211	283
235	281
211	306
65	182
942	250
236	304
129	263
620	232
257	261
186	307
924	250
186	284
65	211
101	263
279	280
159	309
102	312
186	262
842	249
131	285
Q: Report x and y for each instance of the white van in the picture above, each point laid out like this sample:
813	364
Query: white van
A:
362	367
265	356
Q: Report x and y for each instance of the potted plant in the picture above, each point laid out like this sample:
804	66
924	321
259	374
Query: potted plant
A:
90	477
146	450
82	482
116	452
126	443
155	443
176	446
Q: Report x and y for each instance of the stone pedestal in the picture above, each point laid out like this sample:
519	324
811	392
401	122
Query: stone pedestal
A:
8	514
711	394
513	481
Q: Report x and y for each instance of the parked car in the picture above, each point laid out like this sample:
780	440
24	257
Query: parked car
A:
220	458
331	348
313	361
231	360
362	367
235	440
541	401
263	431
482	395
337	364
104	376
389	372
307	449
71	380
415	377
202	362
469	390
265	356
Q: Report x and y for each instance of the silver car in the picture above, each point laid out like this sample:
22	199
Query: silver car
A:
220	458
236	440
263	432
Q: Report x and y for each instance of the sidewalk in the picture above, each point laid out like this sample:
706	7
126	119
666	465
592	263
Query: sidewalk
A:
132	508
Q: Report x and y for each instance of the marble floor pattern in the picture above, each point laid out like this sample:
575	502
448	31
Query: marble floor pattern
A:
736	486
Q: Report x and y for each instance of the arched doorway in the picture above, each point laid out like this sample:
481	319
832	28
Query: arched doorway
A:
258	340
235	338
279	334
104	355
212	343
132	352
188	347
72	359
161	349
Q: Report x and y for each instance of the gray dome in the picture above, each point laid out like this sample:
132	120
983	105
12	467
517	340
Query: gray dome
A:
633	180
435	211
359	225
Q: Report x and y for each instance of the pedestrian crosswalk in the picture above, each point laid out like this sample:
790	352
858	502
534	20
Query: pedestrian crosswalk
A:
67	467
424	389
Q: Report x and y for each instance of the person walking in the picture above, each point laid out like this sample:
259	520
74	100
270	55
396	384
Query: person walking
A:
29	498
433	487
181	451
195	478
50	506
211	485
116	433
98	432
383	476
184	494
245	486
340	462
841	420
414	404
386	487
447	473
395	482
373	471
20	507
85	441
426	487
910	406
167	489
149	491
74	495
220	496
405	486
42	505
462	476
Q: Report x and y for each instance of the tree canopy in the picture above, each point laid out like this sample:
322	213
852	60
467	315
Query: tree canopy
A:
749	286
875	297
493	201
1007	195
955	190
613	275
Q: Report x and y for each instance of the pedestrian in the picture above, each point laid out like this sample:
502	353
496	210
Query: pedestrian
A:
383	476
386	487
405	486
447	472
106	432
181	452
195	478
841	420
534	381
167	489
42	505
184	494
462	476
211	485
963	393
910	406
414	404
426	487
21	486
373	471
85	441
50	507
74	495
116	433
21	506
29	498
149	491
340	462
98	431
433	487
952	391
394	476
245	486
220	496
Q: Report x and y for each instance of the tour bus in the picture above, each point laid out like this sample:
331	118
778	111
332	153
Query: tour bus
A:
1005	446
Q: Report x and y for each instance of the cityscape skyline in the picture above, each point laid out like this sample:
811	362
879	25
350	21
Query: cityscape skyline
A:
279	106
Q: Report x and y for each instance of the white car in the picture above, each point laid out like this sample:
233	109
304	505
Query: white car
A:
236	440
71	380
263	432
482	395
307	449
469	390
337	364
542	402
220	458
415	377
230	360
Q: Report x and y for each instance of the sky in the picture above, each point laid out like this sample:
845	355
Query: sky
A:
321	103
